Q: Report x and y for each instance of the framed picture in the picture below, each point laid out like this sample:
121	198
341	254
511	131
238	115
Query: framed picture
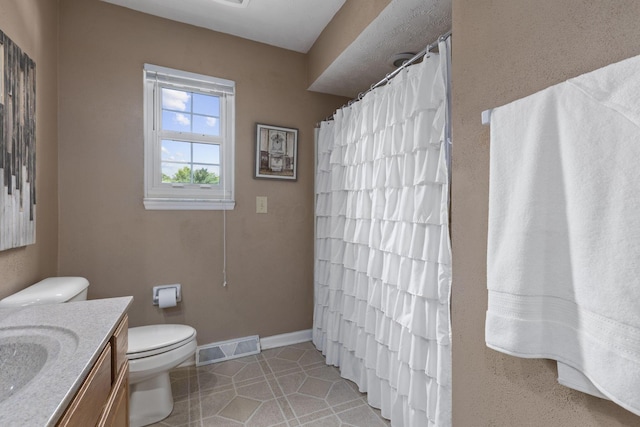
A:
276	152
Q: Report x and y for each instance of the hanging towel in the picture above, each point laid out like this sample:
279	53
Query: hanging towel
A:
563	256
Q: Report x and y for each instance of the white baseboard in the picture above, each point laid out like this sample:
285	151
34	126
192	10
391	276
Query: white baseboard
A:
285	339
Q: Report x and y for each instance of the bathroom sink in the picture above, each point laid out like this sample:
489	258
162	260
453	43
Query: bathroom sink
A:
28	352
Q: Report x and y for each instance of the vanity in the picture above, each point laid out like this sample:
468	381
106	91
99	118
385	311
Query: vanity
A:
65	364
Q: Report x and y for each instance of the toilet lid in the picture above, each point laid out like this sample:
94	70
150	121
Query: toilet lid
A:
153	339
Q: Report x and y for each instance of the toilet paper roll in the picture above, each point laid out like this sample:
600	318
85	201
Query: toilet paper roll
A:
167	297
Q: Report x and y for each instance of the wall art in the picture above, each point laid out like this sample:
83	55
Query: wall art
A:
17	146
276	152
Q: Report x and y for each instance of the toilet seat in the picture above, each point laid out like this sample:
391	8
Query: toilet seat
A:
146	341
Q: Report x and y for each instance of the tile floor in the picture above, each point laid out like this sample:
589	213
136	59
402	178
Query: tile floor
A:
281	387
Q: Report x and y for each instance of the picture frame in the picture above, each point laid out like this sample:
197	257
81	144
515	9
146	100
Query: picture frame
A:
276	155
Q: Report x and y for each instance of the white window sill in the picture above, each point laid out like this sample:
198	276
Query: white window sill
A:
188	204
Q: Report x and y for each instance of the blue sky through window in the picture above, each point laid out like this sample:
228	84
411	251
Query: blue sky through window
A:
184	111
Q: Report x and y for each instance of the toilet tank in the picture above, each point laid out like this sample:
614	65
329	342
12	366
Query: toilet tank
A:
52	290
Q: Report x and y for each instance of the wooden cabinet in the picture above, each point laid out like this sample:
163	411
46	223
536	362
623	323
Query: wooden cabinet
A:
86	407
103	398
119	342
116	412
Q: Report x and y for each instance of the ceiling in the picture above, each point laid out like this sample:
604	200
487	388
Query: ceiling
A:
403	26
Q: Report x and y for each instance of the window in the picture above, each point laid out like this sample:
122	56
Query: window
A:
189	140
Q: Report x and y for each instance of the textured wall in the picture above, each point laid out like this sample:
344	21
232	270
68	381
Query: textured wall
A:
504	50
344	28
106	234
33	26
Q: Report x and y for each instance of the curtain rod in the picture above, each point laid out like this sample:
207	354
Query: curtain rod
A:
395	72
406	64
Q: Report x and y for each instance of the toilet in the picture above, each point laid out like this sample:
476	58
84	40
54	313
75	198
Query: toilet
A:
153	350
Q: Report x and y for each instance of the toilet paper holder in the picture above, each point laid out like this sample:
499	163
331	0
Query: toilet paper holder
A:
156	291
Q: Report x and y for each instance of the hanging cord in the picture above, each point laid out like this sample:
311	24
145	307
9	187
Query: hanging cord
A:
224	233
224	247
224	223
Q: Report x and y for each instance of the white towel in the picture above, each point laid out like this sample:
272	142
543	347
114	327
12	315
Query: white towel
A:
570	377
563	260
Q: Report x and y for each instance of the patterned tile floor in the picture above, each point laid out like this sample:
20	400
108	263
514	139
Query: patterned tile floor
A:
281	387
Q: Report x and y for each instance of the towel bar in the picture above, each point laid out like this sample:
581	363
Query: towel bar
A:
486	116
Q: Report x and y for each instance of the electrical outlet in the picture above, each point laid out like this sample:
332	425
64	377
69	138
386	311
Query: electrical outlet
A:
261	204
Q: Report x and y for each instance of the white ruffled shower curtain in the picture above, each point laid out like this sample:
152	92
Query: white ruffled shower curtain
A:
383	254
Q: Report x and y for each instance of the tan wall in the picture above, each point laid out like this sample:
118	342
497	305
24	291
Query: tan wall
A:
504	50
106	234
351	20
33	26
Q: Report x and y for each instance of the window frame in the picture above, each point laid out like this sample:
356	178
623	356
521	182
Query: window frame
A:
186	196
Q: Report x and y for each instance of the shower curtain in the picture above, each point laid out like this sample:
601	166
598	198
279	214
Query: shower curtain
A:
383	257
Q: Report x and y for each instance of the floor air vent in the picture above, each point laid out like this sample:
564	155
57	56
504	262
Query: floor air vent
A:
225	350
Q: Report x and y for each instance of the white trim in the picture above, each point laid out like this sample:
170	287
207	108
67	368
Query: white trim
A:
171	75
285	339
188	204
163	196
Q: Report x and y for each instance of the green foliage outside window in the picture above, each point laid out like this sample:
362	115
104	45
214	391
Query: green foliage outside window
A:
200	176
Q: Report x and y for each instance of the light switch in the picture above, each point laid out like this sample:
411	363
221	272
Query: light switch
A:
261	204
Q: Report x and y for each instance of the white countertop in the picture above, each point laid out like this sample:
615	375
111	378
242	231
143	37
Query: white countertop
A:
82	328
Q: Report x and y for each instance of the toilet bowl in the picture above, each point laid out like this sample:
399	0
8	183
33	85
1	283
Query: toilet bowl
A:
153	350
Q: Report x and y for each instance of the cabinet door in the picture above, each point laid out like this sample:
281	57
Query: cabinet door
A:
119	343
116	413
86	407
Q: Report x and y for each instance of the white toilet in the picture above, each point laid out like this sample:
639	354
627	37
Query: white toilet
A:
153	350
